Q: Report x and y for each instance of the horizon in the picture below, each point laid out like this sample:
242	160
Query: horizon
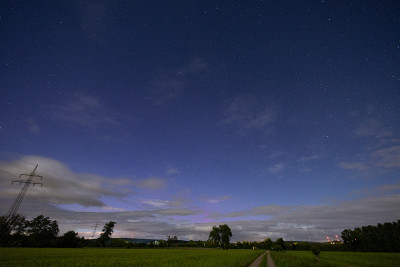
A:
279	119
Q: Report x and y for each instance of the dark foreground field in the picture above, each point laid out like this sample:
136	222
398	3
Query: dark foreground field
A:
125	257
337	259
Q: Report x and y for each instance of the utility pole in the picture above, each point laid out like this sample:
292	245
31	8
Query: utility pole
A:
12	212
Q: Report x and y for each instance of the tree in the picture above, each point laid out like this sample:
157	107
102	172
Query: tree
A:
221	235
162	243
381	238
215	236
70	240
172	241
352	239
12	230
42	231
276	247
107	231
226	234
281	243
266	244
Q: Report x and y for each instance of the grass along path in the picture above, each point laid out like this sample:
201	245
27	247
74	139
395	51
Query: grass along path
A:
265	262
337	259
126	257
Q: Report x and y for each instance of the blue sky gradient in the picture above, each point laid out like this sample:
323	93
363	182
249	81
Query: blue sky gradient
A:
278	118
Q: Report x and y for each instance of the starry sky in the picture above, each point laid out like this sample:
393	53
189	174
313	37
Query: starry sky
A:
279	118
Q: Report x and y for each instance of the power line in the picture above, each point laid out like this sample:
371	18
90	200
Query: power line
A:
29	181
12	212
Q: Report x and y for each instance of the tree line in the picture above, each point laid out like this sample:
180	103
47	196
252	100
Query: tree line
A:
43	232
380	238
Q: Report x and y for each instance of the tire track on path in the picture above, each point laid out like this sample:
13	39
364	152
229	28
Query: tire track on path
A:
256	262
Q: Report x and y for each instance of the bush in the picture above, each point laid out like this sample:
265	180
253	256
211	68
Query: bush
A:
316	250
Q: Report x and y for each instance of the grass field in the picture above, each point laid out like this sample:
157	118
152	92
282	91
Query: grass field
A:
125	257
339	259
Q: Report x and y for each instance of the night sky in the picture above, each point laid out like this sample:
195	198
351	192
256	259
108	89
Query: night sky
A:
279	118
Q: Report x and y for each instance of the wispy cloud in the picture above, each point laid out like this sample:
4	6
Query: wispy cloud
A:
218	200
158	203
355	166
159	217
371	127
171	84
61	184
382	152
298	222
314	222
247	113
276	168
88	111
269	210
109	208
259	210
380	159
172	171
167	88
93	14
150	183
310	158
390	188
33	126
387	157
194	66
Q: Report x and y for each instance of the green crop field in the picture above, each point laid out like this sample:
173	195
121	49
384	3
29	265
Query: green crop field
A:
339	259
125	257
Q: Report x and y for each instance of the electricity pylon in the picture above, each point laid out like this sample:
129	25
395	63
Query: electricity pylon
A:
95	228
17	202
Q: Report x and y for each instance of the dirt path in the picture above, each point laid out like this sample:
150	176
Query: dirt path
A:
259	259
270	262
